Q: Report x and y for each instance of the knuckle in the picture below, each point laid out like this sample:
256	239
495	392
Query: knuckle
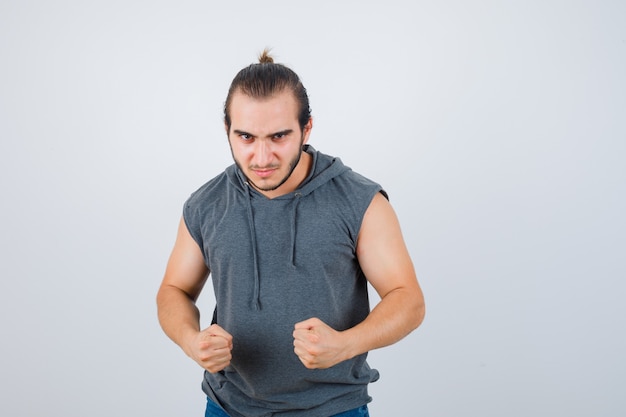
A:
313	351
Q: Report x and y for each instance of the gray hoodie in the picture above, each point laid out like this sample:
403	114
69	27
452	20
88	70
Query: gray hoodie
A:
276	262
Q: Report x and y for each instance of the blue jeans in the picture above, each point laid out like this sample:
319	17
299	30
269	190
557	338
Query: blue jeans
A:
214	410
357	412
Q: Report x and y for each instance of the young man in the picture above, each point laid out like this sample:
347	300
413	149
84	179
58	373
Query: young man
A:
290	237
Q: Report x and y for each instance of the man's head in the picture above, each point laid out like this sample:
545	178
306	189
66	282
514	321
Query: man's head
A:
267	126
264	80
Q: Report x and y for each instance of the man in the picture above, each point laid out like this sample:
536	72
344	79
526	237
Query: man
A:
290	237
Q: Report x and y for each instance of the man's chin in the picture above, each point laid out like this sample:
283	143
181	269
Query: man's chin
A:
264	185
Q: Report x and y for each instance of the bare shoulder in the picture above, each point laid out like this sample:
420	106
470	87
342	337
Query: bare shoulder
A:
380	219
381	250
186	269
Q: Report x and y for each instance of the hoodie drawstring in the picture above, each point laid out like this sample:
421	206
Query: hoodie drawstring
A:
292	259
256	300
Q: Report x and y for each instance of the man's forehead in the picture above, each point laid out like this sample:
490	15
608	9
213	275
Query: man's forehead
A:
272	112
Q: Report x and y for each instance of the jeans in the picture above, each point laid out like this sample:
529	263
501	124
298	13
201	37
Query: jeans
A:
214	410
357	412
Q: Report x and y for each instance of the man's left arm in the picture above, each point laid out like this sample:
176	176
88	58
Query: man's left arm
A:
386	263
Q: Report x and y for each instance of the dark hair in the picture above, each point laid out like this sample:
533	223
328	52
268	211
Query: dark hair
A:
264	79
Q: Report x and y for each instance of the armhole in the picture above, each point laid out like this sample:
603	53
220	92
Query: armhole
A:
195	234
377	189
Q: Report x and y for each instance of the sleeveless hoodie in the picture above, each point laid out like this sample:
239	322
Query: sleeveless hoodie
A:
276	262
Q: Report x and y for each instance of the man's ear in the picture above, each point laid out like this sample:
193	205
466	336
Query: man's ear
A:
307	130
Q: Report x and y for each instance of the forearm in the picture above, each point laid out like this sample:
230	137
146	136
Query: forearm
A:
178	314
397	314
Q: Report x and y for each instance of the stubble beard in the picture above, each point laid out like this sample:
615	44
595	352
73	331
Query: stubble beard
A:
292	166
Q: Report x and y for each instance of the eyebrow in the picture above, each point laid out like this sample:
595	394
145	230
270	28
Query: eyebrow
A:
280	132
241	132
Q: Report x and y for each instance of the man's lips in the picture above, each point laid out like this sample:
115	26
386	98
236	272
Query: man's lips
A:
264	173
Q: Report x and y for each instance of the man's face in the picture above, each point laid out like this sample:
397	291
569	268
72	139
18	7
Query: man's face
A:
266	140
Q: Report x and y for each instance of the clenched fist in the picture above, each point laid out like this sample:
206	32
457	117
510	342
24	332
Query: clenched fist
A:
211	348
317	345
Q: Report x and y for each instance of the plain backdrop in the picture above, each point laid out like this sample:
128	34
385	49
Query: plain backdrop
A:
497	127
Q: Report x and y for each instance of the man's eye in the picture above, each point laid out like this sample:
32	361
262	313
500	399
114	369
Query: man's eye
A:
245	136
279	135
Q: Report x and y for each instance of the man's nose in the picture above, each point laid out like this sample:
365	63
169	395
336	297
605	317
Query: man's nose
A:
263	153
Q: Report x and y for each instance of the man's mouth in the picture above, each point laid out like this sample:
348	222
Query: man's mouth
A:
264	173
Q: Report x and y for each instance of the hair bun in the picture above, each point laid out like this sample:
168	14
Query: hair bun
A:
265	57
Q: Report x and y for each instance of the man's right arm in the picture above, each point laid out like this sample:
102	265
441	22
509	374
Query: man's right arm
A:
185	276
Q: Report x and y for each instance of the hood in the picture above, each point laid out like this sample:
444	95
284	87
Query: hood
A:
323	169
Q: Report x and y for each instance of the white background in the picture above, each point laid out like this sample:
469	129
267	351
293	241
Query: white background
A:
497	127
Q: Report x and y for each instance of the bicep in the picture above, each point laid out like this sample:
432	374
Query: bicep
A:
382	252
186	269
